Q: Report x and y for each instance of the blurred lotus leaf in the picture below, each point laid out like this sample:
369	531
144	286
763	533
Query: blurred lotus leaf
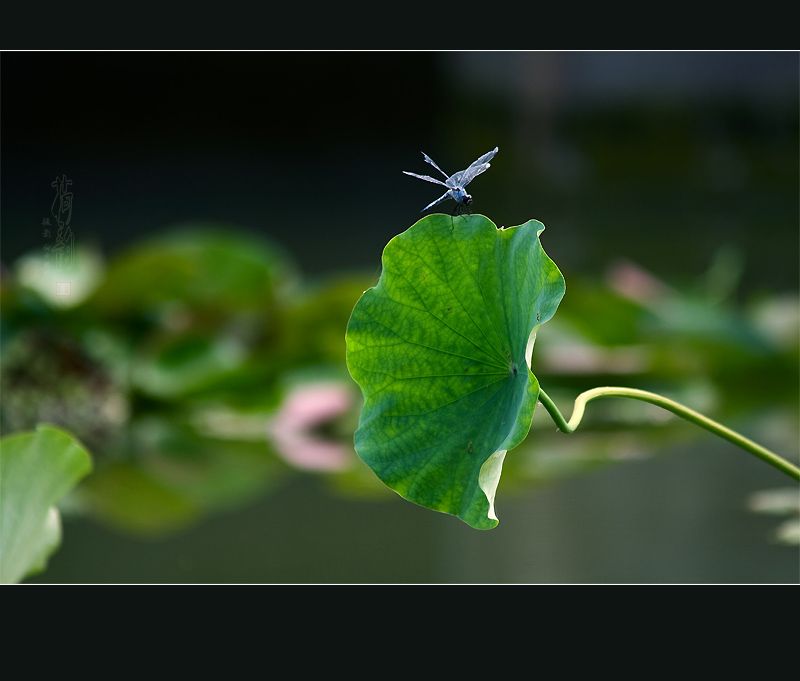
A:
197	270
36	470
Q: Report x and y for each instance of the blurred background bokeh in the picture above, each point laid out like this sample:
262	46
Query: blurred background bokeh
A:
229	208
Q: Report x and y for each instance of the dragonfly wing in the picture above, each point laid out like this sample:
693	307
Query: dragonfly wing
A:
426	177
488	156
464	177
444	196
428	159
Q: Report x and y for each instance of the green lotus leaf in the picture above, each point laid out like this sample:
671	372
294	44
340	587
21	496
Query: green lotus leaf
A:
441	349
37	468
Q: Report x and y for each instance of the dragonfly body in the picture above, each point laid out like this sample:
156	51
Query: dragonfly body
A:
456	182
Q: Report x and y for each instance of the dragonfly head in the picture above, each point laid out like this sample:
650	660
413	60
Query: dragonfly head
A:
461	196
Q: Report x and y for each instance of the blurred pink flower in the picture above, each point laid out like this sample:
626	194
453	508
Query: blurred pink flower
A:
636	284
292	429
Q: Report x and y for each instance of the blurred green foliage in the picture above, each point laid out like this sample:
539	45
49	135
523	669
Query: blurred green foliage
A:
200	368
173	366
37	469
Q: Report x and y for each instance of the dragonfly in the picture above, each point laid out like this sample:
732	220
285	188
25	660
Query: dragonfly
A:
456	182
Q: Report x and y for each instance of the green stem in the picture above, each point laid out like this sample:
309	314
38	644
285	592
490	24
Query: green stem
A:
684	412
